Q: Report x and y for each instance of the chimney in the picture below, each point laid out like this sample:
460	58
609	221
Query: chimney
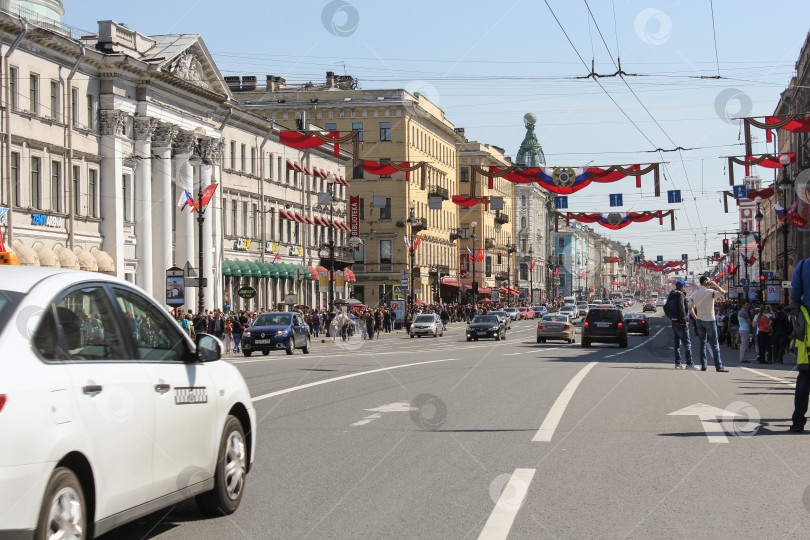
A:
330	79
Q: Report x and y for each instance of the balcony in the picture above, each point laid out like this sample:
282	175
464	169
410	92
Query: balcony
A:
438	191
419	225
489	243
502	218
501	276
344	256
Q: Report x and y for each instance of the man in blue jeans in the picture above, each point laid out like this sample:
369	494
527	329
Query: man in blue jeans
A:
675	310
800	296
701	304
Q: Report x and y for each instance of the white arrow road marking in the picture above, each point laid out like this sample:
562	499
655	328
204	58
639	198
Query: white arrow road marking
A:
549	425
710	418
342	377
378	412
777	379
503	515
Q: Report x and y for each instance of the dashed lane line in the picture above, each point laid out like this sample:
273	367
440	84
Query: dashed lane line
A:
511	499
549	425
342	377
777	379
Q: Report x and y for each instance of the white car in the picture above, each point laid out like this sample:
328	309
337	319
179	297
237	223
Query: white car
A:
427	324
570	310
108	411
513	312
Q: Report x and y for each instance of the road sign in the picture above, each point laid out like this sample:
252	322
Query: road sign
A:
674	196
195	282
616	199
637	258
710	418
716	254
561	202
786	284
745	281
768	275
189	270
299	274
400	289
660	258
684	256
404	282
740	192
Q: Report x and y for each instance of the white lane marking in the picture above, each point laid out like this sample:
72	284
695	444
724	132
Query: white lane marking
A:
342	377
710	418
378	412
532	351
639	345
777	379
549	425
503	515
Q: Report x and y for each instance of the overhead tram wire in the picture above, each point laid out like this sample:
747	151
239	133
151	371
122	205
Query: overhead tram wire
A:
618	69
714	33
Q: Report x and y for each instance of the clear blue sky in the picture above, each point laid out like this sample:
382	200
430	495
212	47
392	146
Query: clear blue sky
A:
487	65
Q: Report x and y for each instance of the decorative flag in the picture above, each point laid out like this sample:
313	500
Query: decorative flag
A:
780	212
185	200
277	258
208	193
480	256
470	255
532	266
418	241
407	243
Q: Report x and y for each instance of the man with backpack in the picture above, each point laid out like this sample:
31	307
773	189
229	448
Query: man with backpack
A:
237	330
675	309
800	295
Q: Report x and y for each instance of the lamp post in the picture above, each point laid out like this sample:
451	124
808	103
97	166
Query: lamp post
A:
745	250
195	160
758	217
330	186
531	272
510	248
412	220
474	287
784	185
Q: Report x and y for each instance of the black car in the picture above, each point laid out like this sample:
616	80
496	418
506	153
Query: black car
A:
276	331
604	325
649	305
637	322
485	327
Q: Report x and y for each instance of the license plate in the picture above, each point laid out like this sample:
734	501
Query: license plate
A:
554	327
263	341
480	332
603	325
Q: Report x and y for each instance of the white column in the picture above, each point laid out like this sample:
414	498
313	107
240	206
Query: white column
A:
184	236
163	205
144	128
209	268
214	214
111	187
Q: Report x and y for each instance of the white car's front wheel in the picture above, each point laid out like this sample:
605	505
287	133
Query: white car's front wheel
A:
63	513
229	476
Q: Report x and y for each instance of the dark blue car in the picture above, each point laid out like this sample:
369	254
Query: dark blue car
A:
274	331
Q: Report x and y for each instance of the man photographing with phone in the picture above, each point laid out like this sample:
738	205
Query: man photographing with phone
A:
702	305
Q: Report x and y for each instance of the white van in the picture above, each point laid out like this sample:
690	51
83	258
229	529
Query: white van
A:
569	300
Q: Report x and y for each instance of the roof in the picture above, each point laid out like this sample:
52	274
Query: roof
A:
24	278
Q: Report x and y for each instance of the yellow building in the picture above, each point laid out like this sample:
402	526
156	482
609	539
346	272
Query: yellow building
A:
493	227
395	126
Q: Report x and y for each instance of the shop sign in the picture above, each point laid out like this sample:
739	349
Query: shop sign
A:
44	220
296	251
270	247
246	292
242	244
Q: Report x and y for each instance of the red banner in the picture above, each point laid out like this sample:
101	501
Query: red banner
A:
354	217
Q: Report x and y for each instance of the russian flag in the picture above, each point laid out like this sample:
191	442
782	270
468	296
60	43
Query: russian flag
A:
780	212
276	258
185	200
470	255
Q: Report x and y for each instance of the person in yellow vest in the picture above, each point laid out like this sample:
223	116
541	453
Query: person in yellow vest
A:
800	295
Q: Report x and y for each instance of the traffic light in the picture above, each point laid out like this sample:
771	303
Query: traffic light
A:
725	245
762	277
499	258
436	298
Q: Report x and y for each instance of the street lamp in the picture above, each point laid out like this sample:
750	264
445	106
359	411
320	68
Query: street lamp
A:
195	160
531	272
758	217
474	287
412	221
784	185
330	187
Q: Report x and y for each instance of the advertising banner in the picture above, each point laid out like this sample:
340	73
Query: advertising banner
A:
323	282
774	294
175	291
398	307
354	217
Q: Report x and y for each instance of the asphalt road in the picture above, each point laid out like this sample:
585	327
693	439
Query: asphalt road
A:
441	438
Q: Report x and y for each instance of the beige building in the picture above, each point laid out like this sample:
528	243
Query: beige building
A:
395	126
493	227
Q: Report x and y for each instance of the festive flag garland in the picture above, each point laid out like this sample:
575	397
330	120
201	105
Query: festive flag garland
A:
751	194
662	266
389	167
791	122
614	220
567	180
460	200
303	140
764	160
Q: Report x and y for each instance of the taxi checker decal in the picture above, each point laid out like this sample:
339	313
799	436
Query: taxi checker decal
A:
190	395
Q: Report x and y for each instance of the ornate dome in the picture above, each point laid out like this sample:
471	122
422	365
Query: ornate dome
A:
530	153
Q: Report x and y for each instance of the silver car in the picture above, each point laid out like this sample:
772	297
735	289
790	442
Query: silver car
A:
570	310
504	317
427	325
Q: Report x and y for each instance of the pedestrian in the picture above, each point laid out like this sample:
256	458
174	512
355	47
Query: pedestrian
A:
675	310
227	337
216	326
316	323
237	330
744	318
764	330
780	327
800	296
702	304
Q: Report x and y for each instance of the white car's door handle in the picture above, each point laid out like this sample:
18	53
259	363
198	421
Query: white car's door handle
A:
162	388
92	388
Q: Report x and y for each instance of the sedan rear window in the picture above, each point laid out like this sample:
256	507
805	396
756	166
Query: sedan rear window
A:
604	315
556	318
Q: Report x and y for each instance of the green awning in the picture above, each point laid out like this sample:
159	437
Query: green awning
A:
226	268
244	268
285	270
272	271
304	270
256	271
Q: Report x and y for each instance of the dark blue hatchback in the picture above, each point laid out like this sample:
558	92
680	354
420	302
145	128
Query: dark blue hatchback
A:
276	331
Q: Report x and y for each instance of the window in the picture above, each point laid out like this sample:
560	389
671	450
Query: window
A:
523	244
126	193
33	98
252	160
358	126
56	180
465	174
43	340
91	110
233	219
155	337
55	100
385	252
74	106
243	155
385	131
36	169
88	326
362	213
524	272
561	259
14	87
244	230
289	232
15	178
383	160
77	190
331	126
561	242
233	155
488	265
280	167
296	232
92	187
562	280
385	211
255	221
523	222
